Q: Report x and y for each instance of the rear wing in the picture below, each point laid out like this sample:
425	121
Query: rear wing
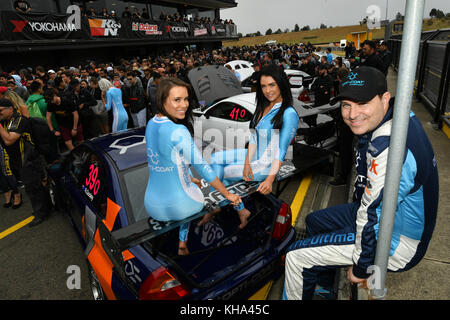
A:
304	159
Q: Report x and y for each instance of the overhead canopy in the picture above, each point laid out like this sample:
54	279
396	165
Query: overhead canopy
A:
210	4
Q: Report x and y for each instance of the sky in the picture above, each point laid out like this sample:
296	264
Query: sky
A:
259	15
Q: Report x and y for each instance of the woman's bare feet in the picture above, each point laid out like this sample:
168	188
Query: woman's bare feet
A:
208	217
243	216
182	248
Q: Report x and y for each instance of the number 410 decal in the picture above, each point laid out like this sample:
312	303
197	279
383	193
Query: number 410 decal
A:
237	113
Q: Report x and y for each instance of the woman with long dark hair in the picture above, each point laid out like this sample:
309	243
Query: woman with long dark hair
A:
273	127
172	193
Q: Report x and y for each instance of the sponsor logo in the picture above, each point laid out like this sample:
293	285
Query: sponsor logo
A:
176	29
43	26
72	23
373	167
149	29
200	32
352	80
19	25
104	27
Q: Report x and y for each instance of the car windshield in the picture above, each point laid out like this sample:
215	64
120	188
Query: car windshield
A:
135	180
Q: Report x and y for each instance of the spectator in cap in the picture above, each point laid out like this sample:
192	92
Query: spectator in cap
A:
346	235
51	74
385	56
322	86
18	88
2	91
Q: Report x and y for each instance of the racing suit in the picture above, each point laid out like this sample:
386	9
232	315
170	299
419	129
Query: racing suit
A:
347	234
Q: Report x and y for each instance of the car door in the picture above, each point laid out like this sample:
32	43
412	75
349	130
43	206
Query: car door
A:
222	123
86	185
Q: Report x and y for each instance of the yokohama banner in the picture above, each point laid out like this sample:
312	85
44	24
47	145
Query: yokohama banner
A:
37	26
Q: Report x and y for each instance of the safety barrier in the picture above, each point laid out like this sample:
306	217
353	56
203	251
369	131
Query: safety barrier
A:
432	74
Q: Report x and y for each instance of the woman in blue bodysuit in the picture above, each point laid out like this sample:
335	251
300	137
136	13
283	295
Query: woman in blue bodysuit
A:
273	127
112	98
172	193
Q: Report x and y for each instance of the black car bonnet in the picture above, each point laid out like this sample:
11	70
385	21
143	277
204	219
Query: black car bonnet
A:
212	83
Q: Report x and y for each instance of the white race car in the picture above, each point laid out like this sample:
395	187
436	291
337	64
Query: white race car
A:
244	68
223	118
225	124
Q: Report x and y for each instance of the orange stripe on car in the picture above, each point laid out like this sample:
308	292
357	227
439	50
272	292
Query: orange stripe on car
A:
112	209
102	266
127	255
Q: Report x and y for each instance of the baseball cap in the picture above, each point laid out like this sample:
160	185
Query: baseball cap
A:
3	89
51	71
361	85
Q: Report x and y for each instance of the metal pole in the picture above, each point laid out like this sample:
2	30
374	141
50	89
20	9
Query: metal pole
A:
405	82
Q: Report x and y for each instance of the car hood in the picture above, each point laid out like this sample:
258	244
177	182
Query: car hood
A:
212	83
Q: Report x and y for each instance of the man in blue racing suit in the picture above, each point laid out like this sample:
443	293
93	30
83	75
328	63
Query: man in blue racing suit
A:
346	235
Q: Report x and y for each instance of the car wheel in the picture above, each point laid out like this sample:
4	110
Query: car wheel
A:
96	287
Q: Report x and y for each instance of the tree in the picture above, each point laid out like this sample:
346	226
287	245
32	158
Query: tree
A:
278	31
433	13
286	30
296	28
323	26
268	32
306	28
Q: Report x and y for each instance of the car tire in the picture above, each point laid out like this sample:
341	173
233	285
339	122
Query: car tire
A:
96	287
55	195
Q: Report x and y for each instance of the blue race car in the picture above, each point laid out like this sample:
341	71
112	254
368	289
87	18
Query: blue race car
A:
101	185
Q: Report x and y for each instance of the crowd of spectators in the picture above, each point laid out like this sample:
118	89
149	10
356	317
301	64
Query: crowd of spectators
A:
69	99
144	14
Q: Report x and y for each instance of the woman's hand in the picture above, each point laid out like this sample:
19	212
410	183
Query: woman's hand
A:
266	186
197	182
247	174
234	198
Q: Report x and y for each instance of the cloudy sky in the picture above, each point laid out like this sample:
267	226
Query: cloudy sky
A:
259	15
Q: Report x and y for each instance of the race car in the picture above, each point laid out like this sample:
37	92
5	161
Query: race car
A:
101	186
223	118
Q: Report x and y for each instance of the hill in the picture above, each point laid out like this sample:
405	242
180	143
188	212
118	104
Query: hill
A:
325	36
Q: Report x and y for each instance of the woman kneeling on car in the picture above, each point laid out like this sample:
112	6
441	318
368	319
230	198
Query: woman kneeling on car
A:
172	193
